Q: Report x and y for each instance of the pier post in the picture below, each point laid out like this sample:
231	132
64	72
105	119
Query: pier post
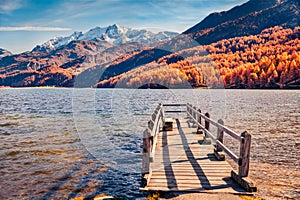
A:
188	110
206	121
194	115
206	125
146	157
199	131
146	151
220	135
244	154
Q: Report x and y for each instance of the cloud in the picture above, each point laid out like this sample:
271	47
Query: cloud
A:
32	28
7	6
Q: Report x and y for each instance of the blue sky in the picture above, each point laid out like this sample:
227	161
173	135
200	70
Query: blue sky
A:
26	23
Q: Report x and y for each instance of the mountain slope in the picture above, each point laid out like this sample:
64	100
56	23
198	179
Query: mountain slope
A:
215	19
270	59
60	66
284	14
113	34
4	52
59	61
270	13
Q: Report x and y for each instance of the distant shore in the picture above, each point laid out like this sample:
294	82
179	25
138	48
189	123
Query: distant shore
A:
194	88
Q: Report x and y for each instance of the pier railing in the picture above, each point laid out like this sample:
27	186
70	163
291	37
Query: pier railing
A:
244	141
204	123
149	142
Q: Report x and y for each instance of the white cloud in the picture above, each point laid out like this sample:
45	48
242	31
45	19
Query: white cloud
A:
9	5
32	28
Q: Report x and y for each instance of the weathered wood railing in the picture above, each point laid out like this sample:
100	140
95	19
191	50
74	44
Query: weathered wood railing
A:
195	115
243	159
150	138
149	142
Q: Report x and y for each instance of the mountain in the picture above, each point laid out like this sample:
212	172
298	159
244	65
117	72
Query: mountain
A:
59	61
218	18
248	19
270	60
219	31
254	45
4	52
113	34
61	66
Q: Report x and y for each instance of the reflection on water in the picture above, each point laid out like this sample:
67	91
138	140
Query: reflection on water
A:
65	143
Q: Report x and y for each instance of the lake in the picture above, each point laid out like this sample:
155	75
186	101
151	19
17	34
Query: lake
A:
58	143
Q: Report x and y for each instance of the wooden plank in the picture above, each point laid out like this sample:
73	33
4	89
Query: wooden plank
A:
193	178
191	183
191	173
187	159
204	172
182	171
182	177
187	167
207	186
175	111
198	184
175	105
203	164
228	190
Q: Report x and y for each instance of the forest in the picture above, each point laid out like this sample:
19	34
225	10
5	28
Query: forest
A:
270	59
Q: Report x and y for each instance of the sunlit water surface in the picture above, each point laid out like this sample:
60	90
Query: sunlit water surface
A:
66	143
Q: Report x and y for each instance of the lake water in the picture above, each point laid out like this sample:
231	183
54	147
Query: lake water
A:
58	143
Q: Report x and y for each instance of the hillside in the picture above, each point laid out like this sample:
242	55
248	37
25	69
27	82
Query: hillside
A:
251	19
60	61
237	22
270	59
4	52
237	12
61	66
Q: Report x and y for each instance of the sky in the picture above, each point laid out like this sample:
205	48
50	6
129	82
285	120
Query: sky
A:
26	23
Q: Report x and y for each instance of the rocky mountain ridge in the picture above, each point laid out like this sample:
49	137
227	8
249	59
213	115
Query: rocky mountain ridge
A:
114	34
4	52
266	14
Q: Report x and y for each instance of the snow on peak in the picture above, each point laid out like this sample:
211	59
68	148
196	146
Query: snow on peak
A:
114	34
4	52
115	31
93	33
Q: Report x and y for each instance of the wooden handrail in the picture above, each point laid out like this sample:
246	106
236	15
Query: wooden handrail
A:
149	143
244	139
218	125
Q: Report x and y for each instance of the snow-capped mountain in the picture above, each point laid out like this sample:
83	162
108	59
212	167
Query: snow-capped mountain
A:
4	52
113	34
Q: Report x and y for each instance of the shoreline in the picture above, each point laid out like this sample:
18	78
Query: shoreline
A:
119	88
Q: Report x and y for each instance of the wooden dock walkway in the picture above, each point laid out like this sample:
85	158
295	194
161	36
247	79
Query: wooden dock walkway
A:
179	156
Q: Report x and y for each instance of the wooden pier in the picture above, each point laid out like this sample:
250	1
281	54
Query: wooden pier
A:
181	154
